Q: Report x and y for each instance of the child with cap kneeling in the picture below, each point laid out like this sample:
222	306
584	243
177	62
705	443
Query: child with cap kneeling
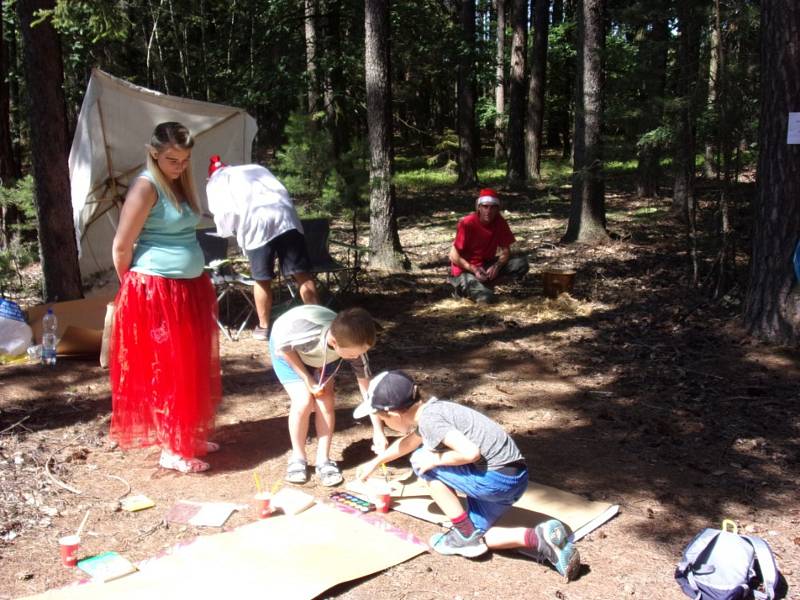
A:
456	448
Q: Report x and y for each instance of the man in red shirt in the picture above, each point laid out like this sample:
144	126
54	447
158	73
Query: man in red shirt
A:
475	265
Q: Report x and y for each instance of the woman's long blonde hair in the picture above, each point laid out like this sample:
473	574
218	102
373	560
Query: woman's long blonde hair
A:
172	133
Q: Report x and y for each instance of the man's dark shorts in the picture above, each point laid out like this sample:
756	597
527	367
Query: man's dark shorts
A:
289	248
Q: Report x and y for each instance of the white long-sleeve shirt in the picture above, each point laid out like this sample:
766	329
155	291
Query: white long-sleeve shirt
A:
248	201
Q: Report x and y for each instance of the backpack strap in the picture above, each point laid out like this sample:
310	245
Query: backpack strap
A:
701	542
766	562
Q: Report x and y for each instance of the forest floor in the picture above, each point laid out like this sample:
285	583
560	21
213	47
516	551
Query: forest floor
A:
635	389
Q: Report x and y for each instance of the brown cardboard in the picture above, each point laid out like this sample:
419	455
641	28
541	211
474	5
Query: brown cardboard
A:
539	503
80	324
288	557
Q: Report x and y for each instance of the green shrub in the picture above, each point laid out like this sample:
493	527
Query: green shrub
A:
19	245
306	160
336	187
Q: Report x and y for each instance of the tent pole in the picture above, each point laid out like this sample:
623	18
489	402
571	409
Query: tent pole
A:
109	164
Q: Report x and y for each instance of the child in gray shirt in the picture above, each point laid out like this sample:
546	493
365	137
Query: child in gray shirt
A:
457	449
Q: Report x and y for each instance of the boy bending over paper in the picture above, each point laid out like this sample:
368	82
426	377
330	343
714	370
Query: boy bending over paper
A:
307	346
456	448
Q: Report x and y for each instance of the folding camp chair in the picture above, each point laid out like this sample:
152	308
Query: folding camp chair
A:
333	278
234	291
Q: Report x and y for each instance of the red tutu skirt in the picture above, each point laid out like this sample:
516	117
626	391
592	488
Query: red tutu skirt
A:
165	374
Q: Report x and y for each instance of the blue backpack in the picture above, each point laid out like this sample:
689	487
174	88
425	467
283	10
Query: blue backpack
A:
722	565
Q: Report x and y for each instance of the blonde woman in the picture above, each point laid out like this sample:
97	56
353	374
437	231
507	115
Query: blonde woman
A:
165	374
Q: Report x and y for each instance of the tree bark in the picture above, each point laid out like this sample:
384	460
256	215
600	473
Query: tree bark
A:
311	55
536	91
561	82
726	257
467	93
334	93
653	72
772	305
384	242
515	170
500	82
710	167
587	219
683	158
47	113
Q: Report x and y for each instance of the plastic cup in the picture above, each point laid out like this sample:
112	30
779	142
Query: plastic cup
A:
263	505
382	497
69	550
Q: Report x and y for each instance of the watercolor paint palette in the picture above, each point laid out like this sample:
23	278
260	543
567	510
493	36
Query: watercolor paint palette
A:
351	501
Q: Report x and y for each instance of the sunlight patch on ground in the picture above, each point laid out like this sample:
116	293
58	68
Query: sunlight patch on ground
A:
528	310
774	362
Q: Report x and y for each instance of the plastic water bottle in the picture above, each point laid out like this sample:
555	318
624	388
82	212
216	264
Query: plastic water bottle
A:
49	329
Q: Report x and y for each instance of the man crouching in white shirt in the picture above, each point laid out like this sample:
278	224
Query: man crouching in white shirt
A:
248	201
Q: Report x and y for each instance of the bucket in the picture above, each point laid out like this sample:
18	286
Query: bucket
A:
557	281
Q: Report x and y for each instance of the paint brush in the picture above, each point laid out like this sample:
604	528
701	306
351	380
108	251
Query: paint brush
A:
82	525
385	472
258	482
275	487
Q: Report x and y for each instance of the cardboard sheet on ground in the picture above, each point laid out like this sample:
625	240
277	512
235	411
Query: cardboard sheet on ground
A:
539	503
80	324
287	557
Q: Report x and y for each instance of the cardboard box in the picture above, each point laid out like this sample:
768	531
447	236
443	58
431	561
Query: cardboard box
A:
80	324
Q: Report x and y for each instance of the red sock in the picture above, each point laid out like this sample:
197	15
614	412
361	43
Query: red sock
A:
531	539
464	525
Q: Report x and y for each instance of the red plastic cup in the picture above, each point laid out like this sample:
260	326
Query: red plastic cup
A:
382	497
263	505
382	502
69	550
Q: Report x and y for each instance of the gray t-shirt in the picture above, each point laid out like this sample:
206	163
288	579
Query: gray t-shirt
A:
439	417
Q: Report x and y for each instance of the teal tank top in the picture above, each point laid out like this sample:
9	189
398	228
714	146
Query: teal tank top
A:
167	245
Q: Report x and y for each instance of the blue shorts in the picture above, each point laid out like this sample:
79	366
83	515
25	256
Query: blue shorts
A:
286	374
489	493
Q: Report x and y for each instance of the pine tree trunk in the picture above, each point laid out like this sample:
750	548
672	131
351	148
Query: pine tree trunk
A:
772	306
310	10
49	149
385	251
515	170
536	91
726	263
683	158
467	93
653	63
334	92
710	166
587	219
500	83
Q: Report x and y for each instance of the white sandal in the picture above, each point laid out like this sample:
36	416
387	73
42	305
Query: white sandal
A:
172	461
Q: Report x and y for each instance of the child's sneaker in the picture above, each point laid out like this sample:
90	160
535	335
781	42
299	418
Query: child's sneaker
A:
555	548
452	542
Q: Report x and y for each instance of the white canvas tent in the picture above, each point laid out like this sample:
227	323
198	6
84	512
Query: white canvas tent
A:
108	150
